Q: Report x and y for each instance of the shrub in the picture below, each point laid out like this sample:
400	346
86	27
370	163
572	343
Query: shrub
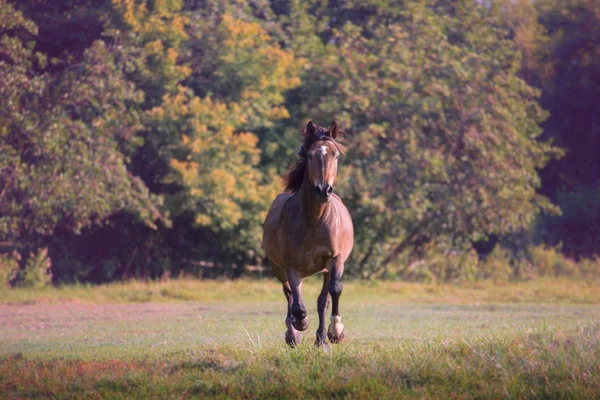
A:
36	273
499	265
548	261
9	265
441	263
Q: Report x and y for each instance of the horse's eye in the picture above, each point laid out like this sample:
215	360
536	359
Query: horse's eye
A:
337	156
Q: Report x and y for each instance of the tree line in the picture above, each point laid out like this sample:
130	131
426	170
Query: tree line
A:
148	138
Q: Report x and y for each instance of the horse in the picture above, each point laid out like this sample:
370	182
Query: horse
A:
309	230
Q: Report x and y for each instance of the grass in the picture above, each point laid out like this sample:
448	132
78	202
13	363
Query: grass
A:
538	339
541	290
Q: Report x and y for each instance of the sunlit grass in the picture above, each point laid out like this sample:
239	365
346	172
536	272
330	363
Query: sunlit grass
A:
529	363
537	339
541	290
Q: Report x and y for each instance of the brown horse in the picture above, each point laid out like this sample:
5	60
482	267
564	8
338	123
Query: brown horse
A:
308	230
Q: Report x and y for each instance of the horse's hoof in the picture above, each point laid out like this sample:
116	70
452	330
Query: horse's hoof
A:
301	325
321	342
337	339
293	337
335	332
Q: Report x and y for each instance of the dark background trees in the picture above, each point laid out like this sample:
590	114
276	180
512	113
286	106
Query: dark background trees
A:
148	138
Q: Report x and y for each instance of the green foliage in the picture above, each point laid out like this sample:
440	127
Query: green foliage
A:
440	264
9	265
151	33
217	164
36	272
560	42
577	229
164	127
63	141
443	131
549	262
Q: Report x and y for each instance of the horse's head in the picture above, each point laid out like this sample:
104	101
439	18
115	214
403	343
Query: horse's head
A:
322	153
317	165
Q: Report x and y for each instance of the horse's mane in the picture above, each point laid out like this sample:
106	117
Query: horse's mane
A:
295	176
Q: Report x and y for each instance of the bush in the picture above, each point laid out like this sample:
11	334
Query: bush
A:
9	265
36	273
548	261
441	263
502	264
499	265
577	229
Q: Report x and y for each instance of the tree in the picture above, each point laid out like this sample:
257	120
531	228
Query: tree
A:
442	130
211	82
63	140
570	85
242	83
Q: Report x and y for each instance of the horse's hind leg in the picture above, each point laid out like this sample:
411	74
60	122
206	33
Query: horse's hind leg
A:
322	304
292	336
335	332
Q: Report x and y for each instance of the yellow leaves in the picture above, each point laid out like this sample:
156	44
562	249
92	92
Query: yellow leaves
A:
220	171
188	169
131	12
224	182
184	70
276	113
198	145
202	220
217	161
249	55
162	19
158	30
157	113
241	34
154	47
247	140
172	55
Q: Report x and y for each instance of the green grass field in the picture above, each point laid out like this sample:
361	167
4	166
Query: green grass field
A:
182	339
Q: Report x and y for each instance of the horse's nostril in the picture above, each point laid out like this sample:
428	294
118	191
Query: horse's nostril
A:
323	191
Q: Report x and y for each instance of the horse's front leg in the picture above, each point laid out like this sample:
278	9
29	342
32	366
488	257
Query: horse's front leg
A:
322	304
298	309
335	333
292	336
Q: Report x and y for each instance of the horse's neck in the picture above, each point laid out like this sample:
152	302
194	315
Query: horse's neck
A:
312	210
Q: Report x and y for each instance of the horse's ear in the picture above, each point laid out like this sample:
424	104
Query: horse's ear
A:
310	129
333	130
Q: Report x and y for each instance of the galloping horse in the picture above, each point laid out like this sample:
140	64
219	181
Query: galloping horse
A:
308	230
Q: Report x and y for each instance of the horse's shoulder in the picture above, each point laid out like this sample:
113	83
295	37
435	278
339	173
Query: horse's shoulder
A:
279	201
339	204
282	197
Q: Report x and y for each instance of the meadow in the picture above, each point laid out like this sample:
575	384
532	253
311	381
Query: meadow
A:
224	339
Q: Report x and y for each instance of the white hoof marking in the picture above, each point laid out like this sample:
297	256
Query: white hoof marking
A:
336	327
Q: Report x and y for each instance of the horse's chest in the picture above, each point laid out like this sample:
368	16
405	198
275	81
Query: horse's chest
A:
311	252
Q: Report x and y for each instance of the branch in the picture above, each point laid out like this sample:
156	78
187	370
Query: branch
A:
402	245
363	262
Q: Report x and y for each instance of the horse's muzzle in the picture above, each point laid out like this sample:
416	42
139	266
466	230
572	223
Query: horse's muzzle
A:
323	192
